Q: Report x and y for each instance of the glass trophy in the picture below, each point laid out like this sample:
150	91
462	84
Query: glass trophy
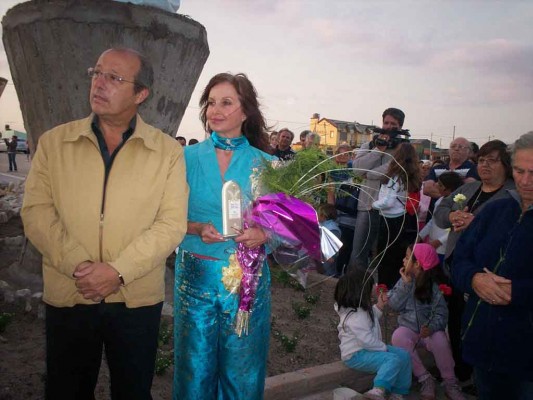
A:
231	209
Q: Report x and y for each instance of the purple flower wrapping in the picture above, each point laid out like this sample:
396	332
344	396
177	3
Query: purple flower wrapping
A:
291	221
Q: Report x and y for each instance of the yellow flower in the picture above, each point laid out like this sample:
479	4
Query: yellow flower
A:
232	275
459	198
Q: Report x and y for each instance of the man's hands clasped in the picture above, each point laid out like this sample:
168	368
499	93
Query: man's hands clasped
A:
95	281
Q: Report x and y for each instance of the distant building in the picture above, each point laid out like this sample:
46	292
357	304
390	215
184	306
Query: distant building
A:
428	150
334	132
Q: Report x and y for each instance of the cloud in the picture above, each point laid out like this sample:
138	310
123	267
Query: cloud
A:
502	66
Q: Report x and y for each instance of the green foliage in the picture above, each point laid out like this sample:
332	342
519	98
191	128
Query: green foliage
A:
165	333
284	278
304	177
301	310
312	299
5	319
293	283
288	343
163	360
281	276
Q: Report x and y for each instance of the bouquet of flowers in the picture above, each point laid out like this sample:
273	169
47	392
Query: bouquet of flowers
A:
290	222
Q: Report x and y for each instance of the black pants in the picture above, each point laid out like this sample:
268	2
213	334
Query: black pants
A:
456	308
75	337
393	240
345	251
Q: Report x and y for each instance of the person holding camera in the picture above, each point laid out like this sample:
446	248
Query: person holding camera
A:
373	157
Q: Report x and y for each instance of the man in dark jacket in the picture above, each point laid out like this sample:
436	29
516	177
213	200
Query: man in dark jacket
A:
492	263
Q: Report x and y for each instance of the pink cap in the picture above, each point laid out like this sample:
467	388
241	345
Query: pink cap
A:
426	255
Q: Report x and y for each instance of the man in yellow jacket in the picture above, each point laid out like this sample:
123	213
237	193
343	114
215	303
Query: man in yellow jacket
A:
105	203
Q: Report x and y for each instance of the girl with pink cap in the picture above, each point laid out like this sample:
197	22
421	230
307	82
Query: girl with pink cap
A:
423	318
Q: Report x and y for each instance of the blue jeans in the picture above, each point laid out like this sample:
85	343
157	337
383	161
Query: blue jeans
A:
392	367
495	385
12	162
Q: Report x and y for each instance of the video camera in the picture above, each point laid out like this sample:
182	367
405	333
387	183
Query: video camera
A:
397	136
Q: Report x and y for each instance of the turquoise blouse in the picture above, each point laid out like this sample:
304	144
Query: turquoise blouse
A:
205	183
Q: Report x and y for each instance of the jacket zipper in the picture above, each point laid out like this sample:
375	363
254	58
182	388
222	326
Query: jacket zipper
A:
102	208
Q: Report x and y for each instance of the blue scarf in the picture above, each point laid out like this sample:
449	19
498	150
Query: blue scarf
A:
231	144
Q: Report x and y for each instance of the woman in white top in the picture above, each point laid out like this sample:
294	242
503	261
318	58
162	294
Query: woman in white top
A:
397	204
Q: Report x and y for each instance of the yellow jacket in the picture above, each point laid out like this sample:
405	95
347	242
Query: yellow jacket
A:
141	220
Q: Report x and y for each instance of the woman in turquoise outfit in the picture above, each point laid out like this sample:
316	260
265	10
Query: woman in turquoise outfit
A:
211	360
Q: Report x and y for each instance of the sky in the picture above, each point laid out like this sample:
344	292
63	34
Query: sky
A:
449	65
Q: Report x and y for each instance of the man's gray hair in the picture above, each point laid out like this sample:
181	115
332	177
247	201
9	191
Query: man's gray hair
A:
524	142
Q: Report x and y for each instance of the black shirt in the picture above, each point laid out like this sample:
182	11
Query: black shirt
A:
284	154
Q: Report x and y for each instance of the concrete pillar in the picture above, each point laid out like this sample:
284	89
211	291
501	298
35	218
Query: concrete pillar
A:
51	43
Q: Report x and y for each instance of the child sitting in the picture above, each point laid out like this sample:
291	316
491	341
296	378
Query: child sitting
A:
327	214
423	317
360	335
431	233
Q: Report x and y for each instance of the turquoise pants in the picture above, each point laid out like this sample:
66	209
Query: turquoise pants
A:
210	361
392	368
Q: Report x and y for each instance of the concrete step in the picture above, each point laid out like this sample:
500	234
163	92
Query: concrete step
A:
318	383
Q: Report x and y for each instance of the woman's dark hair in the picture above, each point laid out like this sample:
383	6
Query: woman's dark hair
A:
354	290
425	279
503	155
405	167
254	127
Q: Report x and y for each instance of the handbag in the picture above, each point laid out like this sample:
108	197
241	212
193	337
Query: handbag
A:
347	198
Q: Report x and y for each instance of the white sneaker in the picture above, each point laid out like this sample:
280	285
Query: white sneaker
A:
375	394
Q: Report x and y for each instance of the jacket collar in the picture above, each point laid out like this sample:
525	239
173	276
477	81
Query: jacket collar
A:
143	132
514	194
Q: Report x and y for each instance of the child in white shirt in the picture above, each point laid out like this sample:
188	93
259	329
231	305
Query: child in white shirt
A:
361	345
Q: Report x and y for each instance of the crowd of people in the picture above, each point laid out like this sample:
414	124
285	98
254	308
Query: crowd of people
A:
436	216
410	227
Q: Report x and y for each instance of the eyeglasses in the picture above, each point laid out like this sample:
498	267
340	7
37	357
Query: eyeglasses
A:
488	161
108	76
458	147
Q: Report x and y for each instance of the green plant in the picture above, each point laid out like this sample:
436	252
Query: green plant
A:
285	279
5	319
312	298
293	283
165	333
301	310
303	177
281	276
289	344
163	360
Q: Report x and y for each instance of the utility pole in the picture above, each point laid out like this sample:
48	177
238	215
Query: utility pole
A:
453	136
